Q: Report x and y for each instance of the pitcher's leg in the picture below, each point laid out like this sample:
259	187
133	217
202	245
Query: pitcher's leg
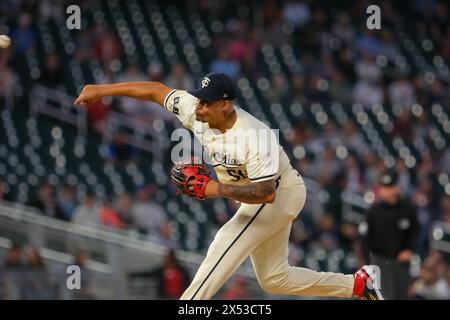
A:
250	226
230	247
270	261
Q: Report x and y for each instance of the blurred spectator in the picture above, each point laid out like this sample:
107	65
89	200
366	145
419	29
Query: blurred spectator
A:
155	72
445	160
46	202
368	93
86	213
4	191
423	127
345	62
172	278
9	81
318	90
353	139
444	210
301	235
107	47
52	74
431	285
124	212
327	236
107	76
84	43
352	173
340	89
403	126
98	114
270	12
24	36
35	284
390	238
34	259
148	215
50	9
278	90
446	46
331	133
13	258
348	236
401	92
133	107
343	28
179	78
367	43
237	290
296	12
367	70
390	49
240	46
120	152
327	166
426	167
404	178
67	201
372	166
223	64
109	217
298	92
165	237
426	213
10	276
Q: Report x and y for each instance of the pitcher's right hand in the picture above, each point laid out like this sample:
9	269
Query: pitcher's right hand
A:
89	95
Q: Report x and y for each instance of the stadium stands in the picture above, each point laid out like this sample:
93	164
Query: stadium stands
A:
290	74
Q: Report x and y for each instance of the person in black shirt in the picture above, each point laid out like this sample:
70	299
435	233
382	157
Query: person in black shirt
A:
392	229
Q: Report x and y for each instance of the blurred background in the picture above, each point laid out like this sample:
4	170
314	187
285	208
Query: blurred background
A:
90	187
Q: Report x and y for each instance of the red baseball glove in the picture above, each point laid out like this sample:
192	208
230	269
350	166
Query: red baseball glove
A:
182	173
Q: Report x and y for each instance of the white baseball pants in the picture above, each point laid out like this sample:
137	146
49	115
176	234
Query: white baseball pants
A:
262	232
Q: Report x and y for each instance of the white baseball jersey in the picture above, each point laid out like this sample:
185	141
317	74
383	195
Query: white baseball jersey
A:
248	152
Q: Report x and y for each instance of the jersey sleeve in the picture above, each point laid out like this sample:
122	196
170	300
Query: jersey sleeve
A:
263	158
182	105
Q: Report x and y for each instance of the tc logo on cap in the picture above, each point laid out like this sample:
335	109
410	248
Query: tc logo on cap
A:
205	82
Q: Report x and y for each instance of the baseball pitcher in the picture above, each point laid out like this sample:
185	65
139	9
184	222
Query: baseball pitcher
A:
252	169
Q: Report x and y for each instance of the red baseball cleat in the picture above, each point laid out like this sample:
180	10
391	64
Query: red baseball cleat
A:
367	283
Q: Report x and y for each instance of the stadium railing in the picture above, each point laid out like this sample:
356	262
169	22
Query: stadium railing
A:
113	253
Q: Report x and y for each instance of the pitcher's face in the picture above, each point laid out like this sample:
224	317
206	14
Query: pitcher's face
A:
206	111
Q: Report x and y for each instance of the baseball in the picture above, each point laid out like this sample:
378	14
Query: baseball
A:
5	41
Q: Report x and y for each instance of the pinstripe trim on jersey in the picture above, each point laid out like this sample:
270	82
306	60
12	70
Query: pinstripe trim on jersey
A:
168	96
264	177
228	249
232	243
225	165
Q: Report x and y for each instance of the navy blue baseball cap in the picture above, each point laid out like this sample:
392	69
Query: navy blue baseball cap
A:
215	86
389	178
